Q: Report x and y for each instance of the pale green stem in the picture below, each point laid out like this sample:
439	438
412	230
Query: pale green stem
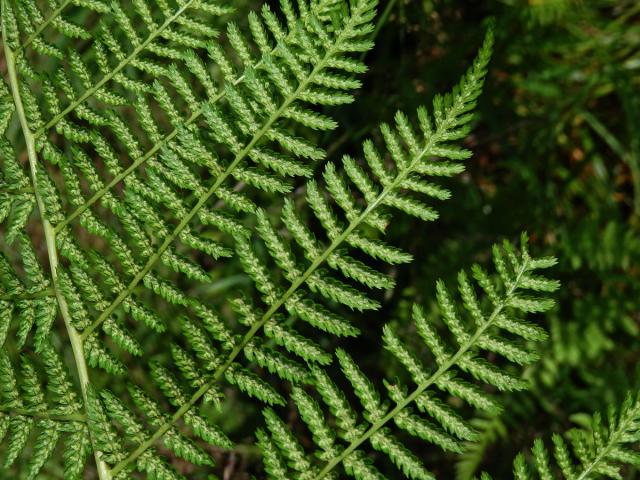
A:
50	237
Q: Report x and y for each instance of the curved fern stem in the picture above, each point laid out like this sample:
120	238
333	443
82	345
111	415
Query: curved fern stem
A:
50	237
126	61
427	383
317	263
210	192
55	14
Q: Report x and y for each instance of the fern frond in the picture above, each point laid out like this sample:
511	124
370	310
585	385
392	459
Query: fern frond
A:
495	330
286	71
241	127
414	159
181	24
33	22
16	196
596	451
292	69
143	110
28	302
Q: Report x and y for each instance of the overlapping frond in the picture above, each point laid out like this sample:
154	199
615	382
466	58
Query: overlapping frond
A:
306	275
459	367
323	268
107	414
28	302
596	451
129	146
174	136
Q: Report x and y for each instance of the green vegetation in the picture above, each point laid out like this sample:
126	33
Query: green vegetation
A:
244	240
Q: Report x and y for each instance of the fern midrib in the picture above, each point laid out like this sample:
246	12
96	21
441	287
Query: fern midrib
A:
427	383
123	63
614	440
276	306
50	238
240	156
44	25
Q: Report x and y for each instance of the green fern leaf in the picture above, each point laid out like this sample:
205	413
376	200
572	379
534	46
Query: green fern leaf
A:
450	116
473	333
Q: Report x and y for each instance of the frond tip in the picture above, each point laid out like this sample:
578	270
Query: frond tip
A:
492	325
